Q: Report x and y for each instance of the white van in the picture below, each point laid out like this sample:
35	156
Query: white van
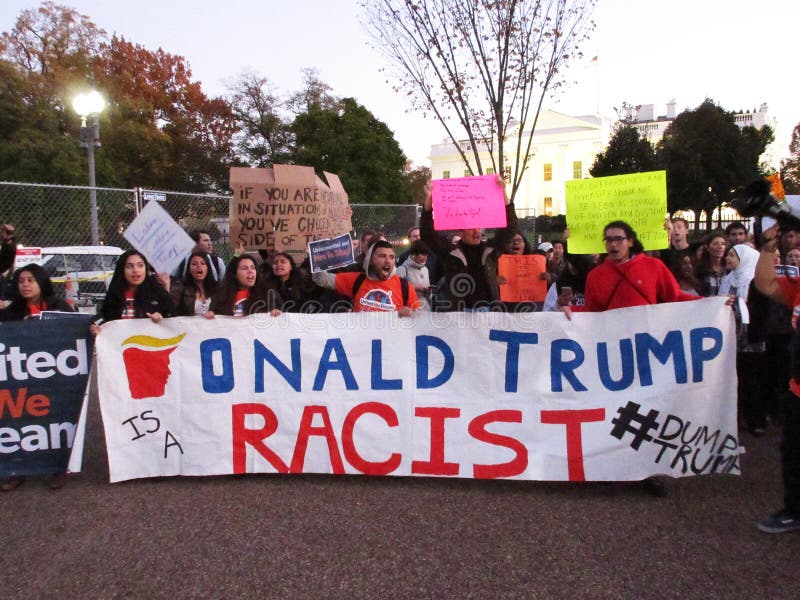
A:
89	267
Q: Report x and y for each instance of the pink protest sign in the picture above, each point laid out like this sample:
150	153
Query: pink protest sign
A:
468	203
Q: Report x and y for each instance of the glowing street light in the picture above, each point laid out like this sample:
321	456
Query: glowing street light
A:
89	105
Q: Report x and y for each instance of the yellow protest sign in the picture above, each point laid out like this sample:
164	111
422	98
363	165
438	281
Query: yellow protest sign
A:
639	199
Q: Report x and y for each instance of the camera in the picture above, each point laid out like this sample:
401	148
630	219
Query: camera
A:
755	200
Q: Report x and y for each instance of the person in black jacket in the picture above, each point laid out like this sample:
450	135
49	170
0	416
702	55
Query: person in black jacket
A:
135	292
470	269
33	294
8	247
243	291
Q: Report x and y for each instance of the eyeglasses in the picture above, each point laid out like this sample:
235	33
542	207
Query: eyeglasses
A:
614	238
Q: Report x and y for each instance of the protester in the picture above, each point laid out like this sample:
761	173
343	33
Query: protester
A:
787	291
736	233
711	267
684	273
377	288
678	229
298	293
8	247
203	244
34	294
135	292
793	257
470	267
750	350
243	291
193	294
628	278
415	271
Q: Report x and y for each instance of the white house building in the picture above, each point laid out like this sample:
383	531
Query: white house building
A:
564	148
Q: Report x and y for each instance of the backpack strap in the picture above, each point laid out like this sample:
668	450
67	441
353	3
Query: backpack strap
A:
404	290
357	284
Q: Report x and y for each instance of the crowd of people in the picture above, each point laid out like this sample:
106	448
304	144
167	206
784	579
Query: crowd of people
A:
459	272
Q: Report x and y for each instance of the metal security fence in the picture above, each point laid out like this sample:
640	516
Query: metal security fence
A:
58	215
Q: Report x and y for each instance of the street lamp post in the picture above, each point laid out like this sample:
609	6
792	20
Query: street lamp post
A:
89	106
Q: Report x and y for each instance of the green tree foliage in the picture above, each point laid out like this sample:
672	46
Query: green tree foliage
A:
707	156
627	152
264	135
348	140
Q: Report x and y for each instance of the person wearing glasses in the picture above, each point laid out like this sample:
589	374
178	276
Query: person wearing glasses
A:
627	277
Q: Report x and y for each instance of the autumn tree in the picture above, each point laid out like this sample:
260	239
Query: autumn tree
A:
160	129
482	68
707	156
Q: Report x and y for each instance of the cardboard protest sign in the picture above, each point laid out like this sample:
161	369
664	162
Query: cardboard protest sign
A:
612	396
42	394
468	203
639	199
284	208
156	235
330	254
522	274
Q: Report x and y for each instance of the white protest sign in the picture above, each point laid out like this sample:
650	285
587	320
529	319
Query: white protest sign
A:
156	235
612	396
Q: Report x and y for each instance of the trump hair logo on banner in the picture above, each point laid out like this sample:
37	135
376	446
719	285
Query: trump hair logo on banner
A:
147	361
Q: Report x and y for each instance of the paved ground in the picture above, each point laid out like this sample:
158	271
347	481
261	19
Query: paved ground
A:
359	537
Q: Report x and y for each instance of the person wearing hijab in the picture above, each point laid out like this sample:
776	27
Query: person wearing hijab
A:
750	355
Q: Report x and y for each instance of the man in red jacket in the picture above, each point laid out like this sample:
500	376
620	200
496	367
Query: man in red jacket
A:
628	277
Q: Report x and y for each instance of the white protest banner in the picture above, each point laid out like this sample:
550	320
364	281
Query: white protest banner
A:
156	235
619	395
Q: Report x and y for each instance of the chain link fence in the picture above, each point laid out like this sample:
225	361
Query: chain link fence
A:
57	215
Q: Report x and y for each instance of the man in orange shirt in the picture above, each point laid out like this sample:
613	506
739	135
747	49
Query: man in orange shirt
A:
377	288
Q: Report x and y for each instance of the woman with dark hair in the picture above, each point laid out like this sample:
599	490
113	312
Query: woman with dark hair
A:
299	294
33	293
243	291
711	267
193	294
135	292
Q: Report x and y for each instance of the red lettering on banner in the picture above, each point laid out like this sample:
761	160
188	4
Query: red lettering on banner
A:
37	405
477	429
368	467
306	430
573	419
436	465
243	436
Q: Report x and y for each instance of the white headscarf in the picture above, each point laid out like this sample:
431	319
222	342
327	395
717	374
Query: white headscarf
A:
738	280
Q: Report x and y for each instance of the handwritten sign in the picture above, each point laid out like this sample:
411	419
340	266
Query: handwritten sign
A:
522	275
330	254
639	199
284	208
468	203
156	235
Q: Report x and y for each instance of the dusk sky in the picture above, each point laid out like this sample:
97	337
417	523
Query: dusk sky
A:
649	52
